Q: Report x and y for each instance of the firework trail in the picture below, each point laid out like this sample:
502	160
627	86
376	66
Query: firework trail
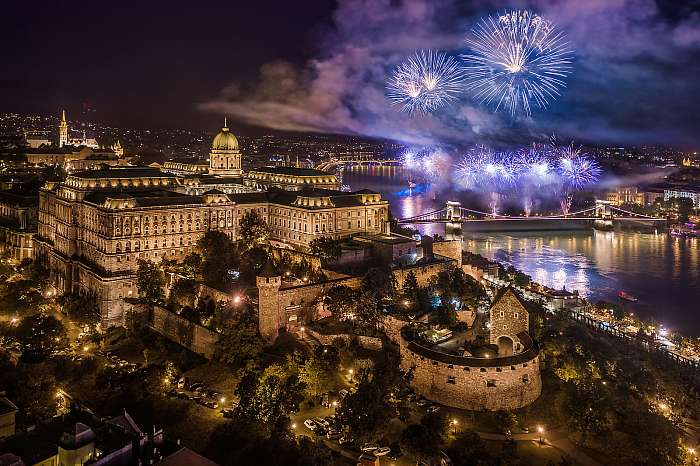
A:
425	82
517	60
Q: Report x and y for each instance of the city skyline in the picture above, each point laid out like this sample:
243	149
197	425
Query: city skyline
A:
632	80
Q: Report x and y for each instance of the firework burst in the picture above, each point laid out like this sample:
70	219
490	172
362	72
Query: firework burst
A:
517	60
576	168
425	82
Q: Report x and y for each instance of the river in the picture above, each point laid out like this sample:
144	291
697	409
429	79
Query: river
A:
663	272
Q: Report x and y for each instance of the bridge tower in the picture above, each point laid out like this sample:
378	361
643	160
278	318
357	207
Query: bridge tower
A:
604	216
453	227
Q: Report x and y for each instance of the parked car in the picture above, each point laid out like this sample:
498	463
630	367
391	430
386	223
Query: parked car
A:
227	413
346	441
433	409
342	394
322	422
381	451
333	434
311	425
183	396
422	402
368	447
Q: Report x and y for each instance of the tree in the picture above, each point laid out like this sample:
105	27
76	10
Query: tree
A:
410	287
313	375
39	333
368	311
81	307
468	449
366	411
380	282
683	206
239	344
417	441
150	281
183	292
320	372
269	397
253	230
219	258
327	248
340	301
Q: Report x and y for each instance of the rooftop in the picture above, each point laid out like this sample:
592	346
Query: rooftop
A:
291	171
186	457
123	172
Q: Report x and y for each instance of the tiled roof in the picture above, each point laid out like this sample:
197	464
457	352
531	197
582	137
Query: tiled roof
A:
292	171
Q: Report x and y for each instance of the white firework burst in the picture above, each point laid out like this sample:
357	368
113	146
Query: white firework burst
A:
517	60
425	82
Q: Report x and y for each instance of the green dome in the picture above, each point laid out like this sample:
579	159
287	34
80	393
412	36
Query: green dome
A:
225	140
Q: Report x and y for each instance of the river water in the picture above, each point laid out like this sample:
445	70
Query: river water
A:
663	272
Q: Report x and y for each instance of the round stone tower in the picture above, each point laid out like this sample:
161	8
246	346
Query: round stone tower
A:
269	282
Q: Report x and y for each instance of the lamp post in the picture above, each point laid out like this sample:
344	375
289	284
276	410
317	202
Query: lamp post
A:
540	429
454	425
301	330
350	372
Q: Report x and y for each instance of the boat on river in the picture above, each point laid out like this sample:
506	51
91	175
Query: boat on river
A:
627	297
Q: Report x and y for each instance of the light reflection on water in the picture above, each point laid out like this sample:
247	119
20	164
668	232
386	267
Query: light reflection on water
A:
662	271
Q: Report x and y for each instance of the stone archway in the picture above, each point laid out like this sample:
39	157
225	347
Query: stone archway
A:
505	345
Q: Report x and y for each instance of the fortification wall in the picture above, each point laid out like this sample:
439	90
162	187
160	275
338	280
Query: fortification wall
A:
449	248
371	343
194	337
423	272
473	386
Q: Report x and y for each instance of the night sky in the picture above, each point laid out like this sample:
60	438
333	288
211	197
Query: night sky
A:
321	66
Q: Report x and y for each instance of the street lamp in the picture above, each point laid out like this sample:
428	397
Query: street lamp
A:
294	425
236	299
302	333
222	400
350	372
454	424
540	429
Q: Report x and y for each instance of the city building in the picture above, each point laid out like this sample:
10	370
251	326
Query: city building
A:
625	195
67	138
94	227
8	410
290	178
225	156
18	222
689	192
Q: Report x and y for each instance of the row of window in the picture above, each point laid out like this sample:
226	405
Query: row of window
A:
489	382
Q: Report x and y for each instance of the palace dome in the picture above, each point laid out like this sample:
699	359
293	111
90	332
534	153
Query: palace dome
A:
225	140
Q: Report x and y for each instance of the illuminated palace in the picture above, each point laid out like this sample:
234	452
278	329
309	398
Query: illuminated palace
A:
94	227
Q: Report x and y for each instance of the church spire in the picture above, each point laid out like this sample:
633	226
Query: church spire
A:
63	130
225	124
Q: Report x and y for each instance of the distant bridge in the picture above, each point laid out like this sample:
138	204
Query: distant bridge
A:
602	215
357	160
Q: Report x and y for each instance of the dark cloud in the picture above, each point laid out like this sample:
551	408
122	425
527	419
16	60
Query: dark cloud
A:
635	76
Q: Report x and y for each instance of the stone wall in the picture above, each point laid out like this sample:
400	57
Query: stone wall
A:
296	256
449	248
494	387
194	337
423	272
283	308
370	343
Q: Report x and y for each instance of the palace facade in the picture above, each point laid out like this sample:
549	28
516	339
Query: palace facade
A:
95	226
